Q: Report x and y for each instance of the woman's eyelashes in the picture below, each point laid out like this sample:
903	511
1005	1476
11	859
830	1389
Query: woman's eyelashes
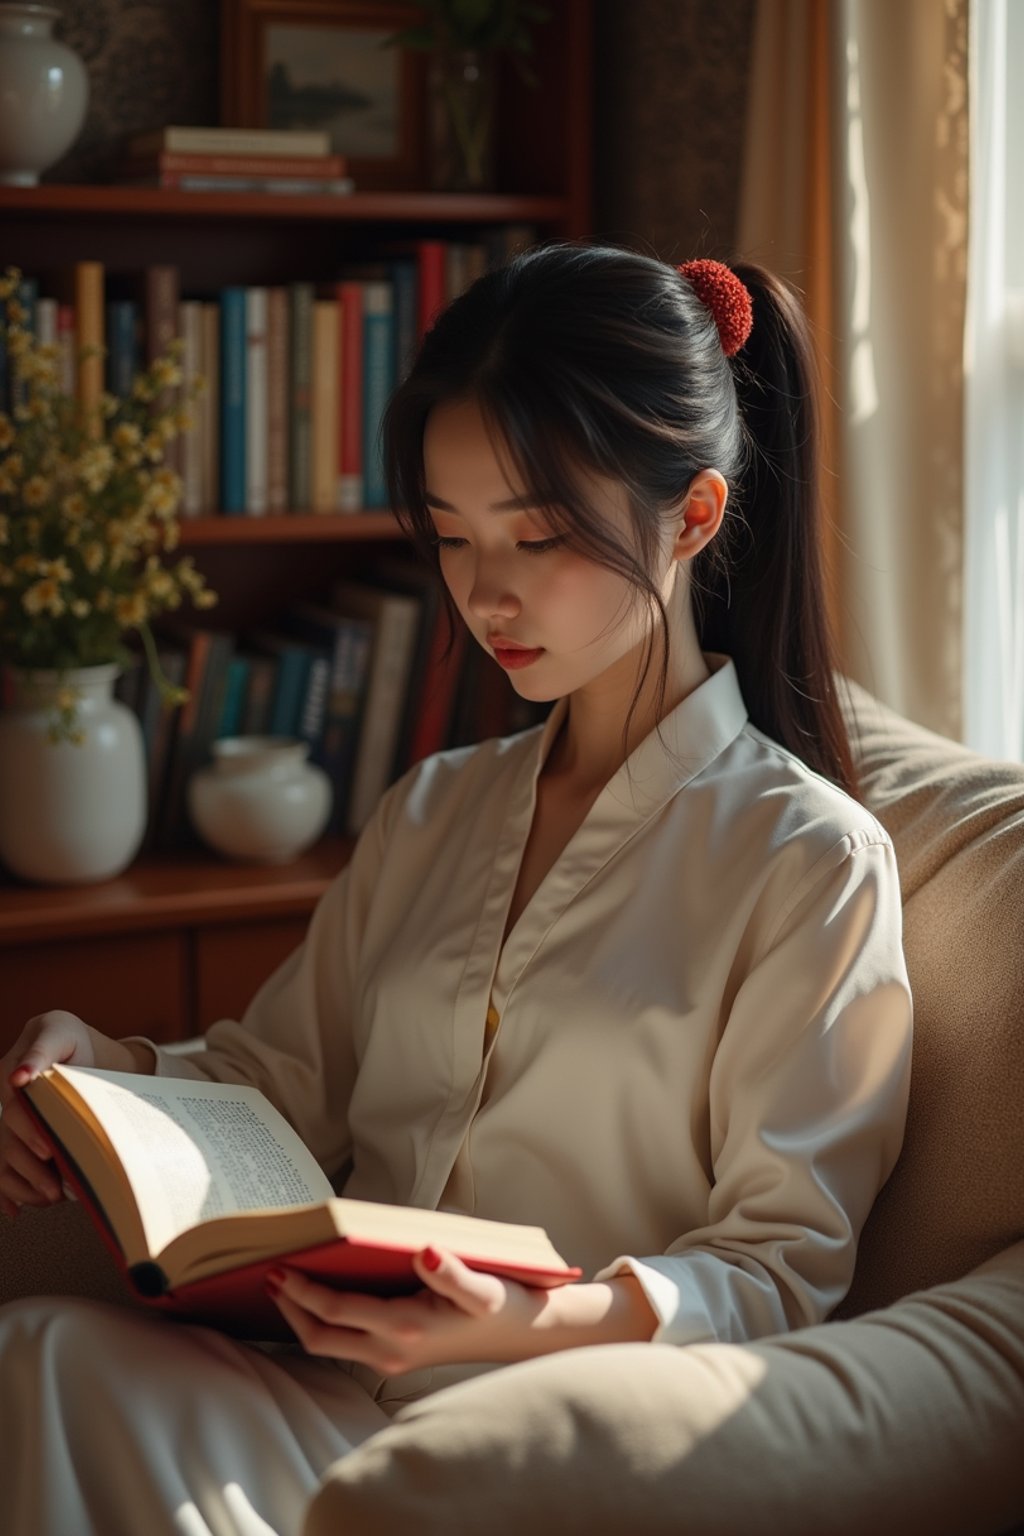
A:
527	546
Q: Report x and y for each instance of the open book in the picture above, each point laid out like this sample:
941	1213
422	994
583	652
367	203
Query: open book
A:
199	1188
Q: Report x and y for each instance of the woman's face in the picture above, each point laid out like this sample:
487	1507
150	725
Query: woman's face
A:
555	620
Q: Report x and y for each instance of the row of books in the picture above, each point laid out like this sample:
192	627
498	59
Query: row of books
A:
368	680
296	375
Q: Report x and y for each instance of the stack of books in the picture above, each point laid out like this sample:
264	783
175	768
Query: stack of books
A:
278	160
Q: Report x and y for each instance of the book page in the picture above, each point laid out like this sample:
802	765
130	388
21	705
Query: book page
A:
196	1150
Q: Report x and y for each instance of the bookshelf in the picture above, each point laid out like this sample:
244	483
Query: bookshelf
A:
181	939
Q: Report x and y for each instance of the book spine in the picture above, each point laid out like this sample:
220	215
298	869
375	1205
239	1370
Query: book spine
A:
209	405
302	186
232	459
67	350
378	382
314	167
350	465
313	710
46	322
404	282
122	346
231	141
293	664
256	402
324	409
430	255
394	637
28	298
88	279
190	324
233	706
434	708
160	318
277	400
300	328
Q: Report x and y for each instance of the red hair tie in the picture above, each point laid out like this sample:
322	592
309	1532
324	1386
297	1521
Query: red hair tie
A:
727	297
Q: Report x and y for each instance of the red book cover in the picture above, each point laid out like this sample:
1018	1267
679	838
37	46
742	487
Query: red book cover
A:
431	257
436	704
236	1300
323	166
350	433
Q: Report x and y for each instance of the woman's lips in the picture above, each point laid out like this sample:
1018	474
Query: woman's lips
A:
513	658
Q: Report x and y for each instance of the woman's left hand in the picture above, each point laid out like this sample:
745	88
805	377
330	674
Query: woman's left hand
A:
460	1316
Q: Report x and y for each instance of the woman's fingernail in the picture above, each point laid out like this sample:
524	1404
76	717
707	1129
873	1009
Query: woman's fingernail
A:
276	1278
431	1258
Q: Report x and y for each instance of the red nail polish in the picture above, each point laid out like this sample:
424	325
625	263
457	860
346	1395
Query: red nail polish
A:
431	1258
276	1278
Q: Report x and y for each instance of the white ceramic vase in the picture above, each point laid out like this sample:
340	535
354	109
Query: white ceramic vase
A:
259	800
70	812
44	92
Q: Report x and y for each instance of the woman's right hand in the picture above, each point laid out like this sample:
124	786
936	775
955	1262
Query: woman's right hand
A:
27	1176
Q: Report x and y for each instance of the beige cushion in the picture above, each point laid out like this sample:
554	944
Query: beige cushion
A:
957	823
907	1422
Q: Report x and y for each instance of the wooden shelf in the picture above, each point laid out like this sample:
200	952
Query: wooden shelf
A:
357	207
290	528
169	891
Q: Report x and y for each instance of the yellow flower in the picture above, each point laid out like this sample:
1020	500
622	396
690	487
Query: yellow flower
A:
17	314
93	556
166	373
9	283
159	583
6	431
95	466
27	563
73	506
58	569
14	464
18	343
153	447
43	594
66	698
109	404
131	608
172	536
36	491
103	601
6	483
142	390
126	435
4	529
205	598
80	608
39	407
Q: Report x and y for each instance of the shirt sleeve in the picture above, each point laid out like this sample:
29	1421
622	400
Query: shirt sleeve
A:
295	1040
808	1099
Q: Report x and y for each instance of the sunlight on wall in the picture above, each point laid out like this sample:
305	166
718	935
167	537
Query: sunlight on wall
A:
863	386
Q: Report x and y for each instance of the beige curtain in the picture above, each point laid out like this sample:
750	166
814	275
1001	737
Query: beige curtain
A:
855	188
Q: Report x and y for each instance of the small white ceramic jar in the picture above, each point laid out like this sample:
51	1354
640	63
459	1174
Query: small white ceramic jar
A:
259	800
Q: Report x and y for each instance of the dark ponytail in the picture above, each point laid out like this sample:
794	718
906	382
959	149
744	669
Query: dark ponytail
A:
760	591
590	357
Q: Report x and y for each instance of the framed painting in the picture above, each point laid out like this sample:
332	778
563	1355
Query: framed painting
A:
323	64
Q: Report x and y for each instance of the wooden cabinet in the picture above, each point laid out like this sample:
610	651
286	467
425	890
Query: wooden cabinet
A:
175	943
164	949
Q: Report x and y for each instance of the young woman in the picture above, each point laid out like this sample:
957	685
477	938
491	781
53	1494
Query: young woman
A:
635	975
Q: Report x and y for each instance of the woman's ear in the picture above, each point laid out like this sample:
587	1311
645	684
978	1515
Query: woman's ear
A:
702	511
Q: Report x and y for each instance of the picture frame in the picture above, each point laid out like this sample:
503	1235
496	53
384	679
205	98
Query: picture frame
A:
319	64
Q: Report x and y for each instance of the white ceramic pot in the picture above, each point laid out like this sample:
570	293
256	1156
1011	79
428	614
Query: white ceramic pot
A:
44	91
70	812
259	799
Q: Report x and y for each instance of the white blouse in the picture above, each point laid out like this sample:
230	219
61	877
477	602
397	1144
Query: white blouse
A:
698	1057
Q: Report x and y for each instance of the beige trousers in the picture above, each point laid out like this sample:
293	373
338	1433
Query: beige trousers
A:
117	1424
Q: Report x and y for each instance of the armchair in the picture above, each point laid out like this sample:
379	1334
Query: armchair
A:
906	1413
